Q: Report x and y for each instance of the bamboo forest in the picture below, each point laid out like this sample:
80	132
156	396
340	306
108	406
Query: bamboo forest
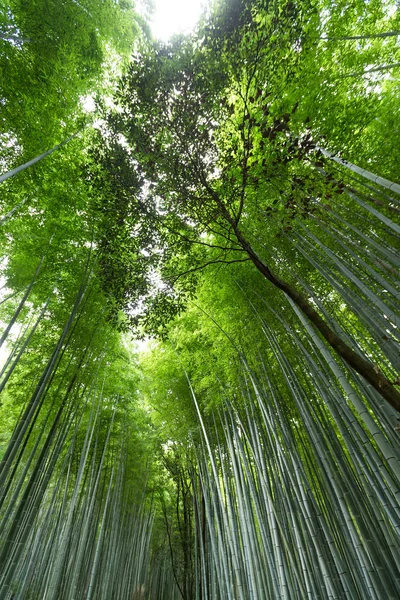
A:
200	301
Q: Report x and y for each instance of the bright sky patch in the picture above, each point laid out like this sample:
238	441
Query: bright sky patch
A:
175	16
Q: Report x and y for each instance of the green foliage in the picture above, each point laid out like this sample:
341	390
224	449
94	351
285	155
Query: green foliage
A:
51	55
215	141
237	456
212	143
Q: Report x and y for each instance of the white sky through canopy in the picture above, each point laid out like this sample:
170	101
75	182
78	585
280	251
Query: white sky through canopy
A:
175	16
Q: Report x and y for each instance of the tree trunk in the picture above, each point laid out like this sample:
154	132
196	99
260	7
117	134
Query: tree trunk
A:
34	160
368	370
386	183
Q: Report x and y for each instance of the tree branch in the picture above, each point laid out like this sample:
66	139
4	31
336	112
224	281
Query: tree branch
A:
207	264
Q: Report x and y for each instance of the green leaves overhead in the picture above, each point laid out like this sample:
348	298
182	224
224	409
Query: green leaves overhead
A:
237	201
213	135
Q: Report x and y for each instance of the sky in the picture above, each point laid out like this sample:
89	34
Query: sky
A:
170	17
175	16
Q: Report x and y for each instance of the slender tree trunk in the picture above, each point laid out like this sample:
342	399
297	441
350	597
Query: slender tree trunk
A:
24	345
21	304
386	183
35	160
360	37
373	70
12	211
97	556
